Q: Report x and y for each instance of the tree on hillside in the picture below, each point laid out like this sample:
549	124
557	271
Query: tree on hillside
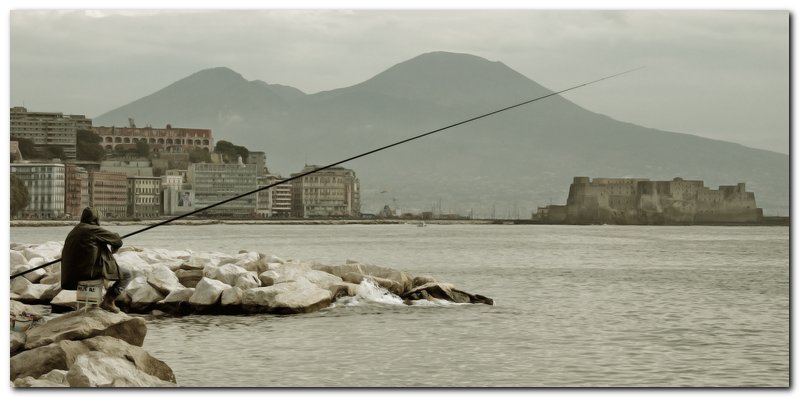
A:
26	147
199	155
143	149
231	152
19	195
88	147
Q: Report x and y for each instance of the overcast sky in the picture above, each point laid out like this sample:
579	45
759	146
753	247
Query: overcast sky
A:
718	74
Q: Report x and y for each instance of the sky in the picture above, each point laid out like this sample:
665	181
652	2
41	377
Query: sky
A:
718	74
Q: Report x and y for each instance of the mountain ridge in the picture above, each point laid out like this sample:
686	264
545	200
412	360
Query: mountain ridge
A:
525	156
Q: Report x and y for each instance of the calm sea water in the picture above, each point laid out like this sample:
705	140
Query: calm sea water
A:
575	306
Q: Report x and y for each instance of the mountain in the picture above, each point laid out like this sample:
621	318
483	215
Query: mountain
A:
506	164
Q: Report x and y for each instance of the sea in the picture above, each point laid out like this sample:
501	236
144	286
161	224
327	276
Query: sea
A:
574	306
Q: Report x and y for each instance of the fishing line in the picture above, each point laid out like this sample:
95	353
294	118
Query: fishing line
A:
301	175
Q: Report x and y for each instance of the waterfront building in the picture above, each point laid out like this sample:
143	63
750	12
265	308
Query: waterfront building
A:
108	194
177	197
14	153
213	183
641	201
332	192
46	129
167	139
280	197
46	188
76	187
144	197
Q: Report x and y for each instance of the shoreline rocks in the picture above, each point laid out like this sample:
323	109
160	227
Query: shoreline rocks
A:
185	282
87	348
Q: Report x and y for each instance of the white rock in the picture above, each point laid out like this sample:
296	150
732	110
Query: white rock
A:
203	260
65	298
247	280
231	296
225	273
97	369
132	262
33	276
163	279
179	295
19	285
143	296
207	292
287	297
17	258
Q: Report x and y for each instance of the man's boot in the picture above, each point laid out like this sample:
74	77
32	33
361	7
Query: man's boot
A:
108	303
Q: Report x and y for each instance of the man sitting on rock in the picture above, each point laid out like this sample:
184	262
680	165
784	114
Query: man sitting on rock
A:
87	256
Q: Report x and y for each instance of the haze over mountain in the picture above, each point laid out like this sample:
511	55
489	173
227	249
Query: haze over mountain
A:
504	165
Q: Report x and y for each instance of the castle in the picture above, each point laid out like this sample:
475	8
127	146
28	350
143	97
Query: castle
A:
641	201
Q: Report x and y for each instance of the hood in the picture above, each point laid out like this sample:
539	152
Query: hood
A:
89	217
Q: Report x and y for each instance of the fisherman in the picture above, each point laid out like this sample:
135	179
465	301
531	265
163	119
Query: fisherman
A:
87	256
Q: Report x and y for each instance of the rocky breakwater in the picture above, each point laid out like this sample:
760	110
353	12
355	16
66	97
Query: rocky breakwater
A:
84	348
184	282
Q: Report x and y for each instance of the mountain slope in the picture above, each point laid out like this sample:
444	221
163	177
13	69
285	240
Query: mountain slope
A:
519	159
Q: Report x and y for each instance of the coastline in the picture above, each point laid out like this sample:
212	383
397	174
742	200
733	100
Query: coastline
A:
768	222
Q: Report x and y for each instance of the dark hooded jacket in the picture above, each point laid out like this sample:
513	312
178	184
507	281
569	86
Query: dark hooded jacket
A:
86	254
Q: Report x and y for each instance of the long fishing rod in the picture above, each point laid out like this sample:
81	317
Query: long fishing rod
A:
347	160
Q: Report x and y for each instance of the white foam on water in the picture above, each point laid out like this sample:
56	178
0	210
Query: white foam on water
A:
367	293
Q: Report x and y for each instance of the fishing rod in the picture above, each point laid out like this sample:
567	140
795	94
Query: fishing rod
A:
301	175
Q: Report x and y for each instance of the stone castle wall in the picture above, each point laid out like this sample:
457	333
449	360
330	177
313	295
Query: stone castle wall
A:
641	201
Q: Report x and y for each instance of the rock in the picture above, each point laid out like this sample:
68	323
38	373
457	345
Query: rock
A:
353	277
226	273
343	289
143	297
445	291
19	285
17	258
190	267
258	265
98	369
38	293
139	357
17	309
207	292
176	302
132	261
17	342
65	299
40	360
231	296
51	278
422	280
392	286
247	280
286	298
163	279
55	378
404	279
79	325
33	276
268	278
189	277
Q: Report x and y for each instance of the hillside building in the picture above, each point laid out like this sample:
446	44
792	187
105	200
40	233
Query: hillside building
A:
168	139
332	192
46	129
131	168
641	201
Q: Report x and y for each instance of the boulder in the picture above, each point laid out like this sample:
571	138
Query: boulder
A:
423	280
98	369
177	302
65	299
390	285
225	273
38	293
189	277
84	324
207	292
445	291
55	378
286	298
17	342
19	285
51	278
343	289
17	258
163	279
33	276
41	360
231	296
404	279
143	297
138	356
257	265
132	261
247	280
